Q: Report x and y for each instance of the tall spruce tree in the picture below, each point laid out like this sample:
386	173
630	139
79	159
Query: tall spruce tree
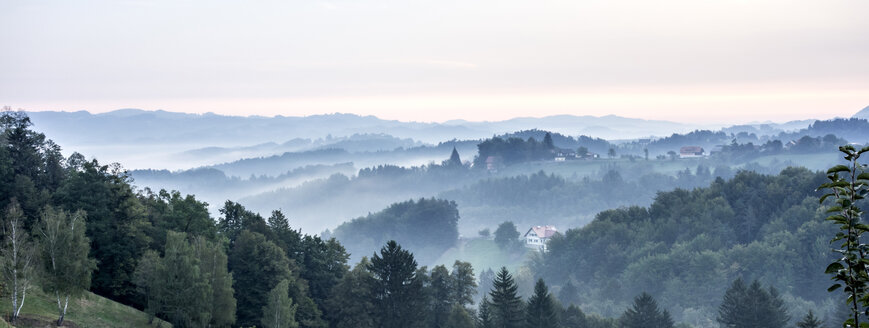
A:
487	277
810	321
541	310
752	306
455	160
547	141
397	289
507	307
645	314
484	315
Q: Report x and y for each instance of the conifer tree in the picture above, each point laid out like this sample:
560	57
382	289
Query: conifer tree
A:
645	314
547	141
397	288
487	277
541	310
507	308
810	321
752	306
455	160
484	317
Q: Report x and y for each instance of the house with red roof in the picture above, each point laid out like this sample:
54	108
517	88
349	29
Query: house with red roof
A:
538	236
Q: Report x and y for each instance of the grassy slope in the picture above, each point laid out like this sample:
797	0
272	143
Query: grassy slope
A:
90	310
819	161
482	254
582	168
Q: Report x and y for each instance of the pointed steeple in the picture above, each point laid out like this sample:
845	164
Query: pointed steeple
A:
454	158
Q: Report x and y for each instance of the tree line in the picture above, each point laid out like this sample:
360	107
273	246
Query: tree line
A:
72	224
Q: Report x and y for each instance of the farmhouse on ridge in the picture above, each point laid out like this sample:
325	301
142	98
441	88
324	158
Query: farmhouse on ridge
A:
538	236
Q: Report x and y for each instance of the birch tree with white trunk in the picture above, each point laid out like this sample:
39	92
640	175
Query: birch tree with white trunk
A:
18	257
64	249
279	311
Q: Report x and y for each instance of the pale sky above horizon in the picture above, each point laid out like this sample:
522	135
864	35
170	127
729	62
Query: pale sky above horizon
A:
697	61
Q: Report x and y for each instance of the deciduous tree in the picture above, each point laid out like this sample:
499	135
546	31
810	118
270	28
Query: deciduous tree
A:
351	302
464	286
257	266
18	258
64	246
279	311
506	236
848	185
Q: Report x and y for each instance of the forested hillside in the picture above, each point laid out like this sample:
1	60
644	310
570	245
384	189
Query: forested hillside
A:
427	226
692	256
689	245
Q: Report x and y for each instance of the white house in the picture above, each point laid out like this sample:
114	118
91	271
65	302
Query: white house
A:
691	151
538	236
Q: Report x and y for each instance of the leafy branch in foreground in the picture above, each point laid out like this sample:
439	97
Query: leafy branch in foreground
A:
849	184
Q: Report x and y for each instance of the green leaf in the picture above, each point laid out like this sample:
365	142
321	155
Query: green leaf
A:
863	176
838	168
834	287
834	267
824	197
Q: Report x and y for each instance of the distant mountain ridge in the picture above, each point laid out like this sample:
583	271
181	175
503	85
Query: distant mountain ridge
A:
164	139
142	126
864	113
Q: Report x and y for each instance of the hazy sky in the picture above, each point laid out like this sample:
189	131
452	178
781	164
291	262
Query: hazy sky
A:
692	60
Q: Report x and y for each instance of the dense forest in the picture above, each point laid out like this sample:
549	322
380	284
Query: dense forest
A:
694	256
427	226
688	245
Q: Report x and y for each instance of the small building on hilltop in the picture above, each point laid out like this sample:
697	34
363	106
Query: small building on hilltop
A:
493	163
691	151
562	155
538	236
